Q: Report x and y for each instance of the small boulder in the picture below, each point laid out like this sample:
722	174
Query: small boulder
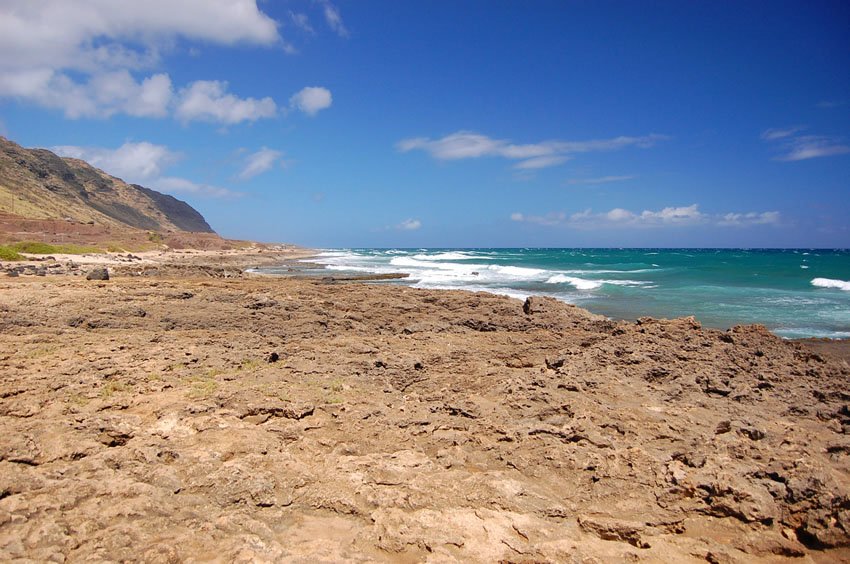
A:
98	274
723	427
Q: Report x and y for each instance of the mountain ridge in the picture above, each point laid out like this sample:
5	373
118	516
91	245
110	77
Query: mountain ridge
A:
38	184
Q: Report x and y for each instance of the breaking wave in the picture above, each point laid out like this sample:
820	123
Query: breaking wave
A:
830	283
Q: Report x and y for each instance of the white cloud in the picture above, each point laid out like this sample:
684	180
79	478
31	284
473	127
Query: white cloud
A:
103	95
409	225
107	94
208	100
259	162
334	19
311	100
133	162
680	215
77	57
599	180
751	218
142	163
302	22
669	216
780	133
93	34
802	147
618	214
813	146
468	145
553	218
542	162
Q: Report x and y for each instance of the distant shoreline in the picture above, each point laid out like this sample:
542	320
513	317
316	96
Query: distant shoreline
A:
799	294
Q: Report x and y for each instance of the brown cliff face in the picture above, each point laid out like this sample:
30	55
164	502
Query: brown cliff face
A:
37	184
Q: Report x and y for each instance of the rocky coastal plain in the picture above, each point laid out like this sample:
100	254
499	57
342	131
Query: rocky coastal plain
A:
183	410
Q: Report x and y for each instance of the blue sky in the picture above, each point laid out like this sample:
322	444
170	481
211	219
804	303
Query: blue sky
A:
452	124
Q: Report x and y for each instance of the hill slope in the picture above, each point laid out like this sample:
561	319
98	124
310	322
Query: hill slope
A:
38	184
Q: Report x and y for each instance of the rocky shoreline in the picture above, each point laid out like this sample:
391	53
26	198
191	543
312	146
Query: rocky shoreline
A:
185	415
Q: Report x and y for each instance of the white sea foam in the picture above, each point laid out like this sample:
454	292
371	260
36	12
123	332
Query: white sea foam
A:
360	268
517	271
336	254
459	255
585	284
434	271
579	283
807	332
794	301
830	283
626	282
600	271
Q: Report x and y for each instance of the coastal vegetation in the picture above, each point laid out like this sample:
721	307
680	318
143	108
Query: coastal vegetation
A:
7	253
40	248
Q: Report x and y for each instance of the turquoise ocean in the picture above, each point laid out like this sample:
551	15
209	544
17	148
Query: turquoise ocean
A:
794	292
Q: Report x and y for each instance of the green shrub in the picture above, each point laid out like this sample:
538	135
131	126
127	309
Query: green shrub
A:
8	253
36	248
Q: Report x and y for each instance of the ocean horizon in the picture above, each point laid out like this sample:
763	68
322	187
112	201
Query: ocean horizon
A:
796	293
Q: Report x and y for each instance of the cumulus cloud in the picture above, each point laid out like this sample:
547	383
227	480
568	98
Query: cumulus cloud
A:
142	163
797	147
81	57
668	216
208	100
87	35
599	180
311	100
259	162
470	145
409	225
102	95
334	19
133	162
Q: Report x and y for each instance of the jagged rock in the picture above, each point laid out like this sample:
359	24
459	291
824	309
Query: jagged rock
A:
557	437
614	530
723	427
98	274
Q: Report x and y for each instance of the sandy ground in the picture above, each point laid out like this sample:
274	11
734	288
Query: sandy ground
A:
179	415
266	255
